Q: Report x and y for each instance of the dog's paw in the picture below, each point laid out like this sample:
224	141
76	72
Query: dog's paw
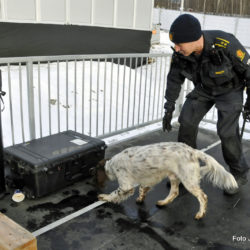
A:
199	216
161	203
103	197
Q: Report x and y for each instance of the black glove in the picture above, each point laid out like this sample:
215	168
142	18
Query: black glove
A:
166	121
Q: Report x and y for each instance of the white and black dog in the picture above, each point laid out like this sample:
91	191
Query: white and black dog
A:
145	166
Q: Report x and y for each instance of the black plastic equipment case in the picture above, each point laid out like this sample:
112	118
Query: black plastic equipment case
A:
44	165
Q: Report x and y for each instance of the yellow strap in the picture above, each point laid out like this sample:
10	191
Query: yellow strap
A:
222	39
219	45
219	72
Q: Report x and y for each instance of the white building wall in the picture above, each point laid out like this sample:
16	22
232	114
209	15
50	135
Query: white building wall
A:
103	12
130	14
143	10
19	10
125	13
52	10
81	11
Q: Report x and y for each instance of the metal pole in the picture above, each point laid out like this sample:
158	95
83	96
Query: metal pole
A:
182	6
243	128
246	118
2	178
30	87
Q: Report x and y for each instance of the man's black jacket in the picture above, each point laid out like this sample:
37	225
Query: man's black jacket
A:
223	65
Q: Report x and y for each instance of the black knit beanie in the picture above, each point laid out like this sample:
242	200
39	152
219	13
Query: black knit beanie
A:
186	28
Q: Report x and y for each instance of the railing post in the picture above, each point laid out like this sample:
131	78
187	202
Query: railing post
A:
2	176
31	109
236	24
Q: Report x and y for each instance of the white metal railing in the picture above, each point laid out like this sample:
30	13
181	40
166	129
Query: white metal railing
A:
98	95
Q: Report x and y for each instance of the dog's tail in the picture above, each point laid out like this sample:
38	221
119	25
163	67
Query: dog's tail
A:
215	172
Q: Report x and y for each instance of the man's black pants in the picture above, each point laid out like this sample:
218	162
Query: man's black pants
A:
229	108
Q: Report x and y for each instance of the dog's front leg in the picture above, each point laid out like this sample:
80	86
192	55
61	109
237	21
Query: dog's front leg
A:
116	196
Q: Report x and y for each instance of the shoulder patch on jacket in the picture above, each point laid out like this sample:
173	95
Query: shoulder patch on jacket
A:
240	54
220	42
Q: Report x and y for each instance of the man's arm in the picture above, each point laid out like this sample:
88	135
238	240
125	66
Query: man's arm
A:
174	83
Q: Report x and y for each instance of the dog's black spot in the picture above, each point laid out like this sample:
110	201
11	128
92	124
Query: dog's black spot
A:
153	167
192	158
130	156
201	162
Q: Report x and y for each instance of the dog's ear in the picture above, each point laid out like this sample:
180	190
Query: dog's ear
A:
102	163
99	165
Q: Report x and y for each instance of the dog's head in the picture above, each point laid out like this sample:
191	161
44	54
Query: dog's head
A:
99	173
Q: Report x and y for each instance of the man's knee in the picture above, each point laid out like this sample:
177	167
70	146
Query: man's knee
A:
225	133
187	127
187	133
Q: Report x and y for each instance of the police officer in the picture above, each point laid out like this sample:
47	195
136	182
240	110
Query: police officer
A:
218	66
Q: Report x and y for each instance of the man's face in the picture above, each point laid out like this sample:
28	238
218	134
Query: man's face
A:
185	49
